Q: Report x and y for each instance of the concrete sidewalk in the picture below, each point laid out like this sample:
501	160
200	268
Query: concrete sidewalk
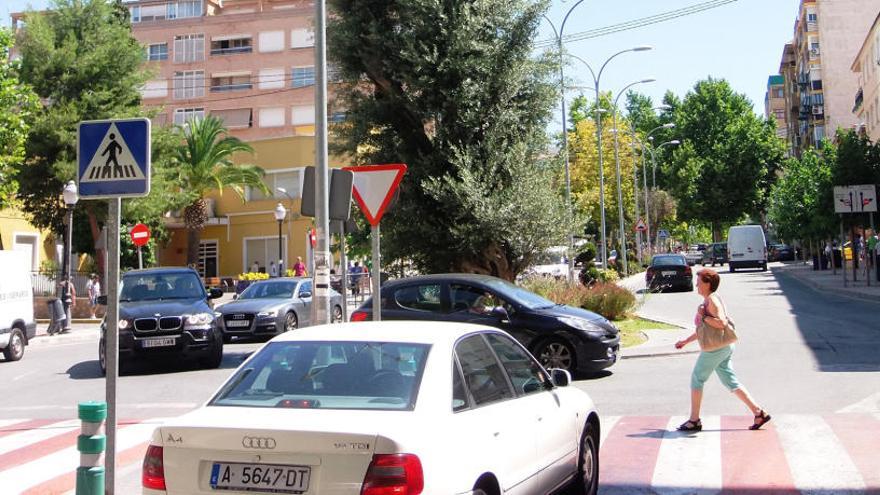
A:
825	281
658	342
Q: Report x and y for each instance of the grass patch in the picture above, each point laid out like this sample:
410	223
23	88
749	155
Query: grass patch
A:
631	330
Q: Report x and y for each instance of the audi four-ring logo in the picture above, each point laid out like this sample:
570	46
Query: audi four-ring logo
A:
258	442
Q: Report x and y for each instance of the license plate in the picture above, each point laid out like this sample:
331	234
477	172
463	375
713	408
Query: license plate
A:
668	274
268	478
238	323
158	342
737	255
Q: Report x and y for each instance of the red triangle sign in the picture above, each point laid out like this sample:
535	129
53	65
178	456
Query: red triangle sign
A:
373	187
640	226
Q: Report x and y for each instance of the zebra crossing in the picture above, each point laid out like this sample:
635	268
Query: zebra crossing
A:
793	454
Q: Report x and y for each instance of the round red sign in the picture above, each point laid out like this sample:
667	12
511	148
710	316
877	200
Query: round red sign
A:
140	234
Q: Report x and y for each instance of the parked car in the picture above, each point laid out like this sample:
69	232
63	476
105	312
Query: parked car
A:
164	313
693	256
669	271
560	336
747	247
715	253
381	408
780	252
17	324
270	307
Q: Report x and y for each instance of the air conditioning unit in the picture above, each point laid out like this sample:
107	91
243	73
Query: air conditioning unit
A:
818	109
814	52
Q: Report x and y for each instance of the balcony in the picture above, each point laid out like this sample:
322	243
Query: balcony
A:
231	50
860	97
231	87
803	79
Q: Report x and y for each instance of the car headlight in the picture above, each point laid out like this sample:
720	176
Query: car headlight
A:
122	325
580	324
199	319
266	314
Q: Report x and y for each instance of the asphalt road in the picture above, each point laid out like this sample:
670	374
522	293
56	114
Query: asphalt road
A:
800	352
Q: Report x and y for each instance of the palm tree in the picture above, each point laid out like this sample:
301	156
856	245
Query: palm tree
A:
204	164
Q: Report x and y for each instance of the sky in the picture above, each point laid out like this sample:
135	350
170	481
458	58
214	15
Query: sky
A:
740	41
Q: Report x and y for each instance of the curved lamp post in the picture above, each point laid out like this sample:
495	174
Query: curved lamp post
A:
558	34
71	196
651	149
669	125
280	212
597	78
617	169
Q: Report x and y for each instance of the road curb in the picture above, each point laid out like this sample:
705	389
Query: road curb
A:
819	288
658	354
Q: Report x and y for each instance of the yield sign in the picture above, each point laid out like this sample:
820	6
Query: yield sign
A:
374	186
640	226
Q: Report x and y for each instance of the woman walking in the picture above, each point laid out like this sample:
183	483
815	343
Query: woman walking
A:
712	317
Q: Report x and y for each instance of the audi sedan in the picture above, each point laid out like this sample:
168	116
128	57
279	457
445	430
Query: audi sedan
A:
669	271
381	408
270	307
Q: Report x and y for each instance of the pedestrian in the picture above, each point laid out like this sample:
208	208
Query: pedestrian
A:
93	287
355	273
712	316
255	268
299	268
273	270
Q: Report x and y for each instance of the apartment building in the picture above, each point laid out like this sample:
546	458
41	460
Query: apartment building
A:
866	66
791	96
827	34
774	104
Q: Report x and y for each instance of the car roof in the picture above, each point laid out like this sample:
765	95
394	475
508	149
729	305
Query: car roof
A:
282	279
474	277
159	270
416	332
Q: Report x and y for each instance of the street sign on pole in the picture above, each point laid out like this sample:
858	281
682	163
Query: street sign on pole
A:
663	234
855	199
373	188
140	236
640	226
113	162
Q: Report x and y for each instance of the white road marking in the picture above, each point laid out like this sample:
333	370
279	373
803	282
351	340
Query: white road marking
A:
147	405
19	377
606	423
24	438
870	404
689	463
819	463
8	422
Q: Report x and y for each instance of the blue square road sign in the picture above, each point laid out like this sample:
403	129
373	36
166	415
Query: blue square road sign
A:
113	158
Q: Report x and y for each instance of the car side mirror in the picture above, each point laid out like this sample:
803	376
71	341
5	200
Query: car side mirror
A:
215	293
102	300
560	377
234	297
305	294
500	313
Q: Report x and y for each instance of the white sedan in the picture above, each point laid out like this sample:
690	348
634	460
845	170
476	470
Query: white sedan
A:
379	409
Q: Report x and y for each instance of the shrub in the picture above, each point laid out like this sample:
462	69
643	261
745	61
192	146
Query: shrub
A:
609	300
543	286
607	275
587	254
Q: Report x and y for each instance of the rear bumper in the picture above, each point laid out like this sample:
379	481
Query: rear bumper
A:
747	263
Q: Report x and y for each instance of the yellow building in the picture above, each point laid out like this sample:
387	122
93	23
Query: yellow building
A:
17	234
241	233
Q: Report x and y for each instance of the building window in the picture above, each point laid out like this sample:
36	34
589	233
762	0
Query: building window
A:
208	258
302	38
272	41
818	134
189	84
189	48
236	118
303	115
157	88
303	76
184	115
226	46
339	117
272	117
157	51
780	93
262	250
231	82
189	8
289	180
144	13
271	78
780	114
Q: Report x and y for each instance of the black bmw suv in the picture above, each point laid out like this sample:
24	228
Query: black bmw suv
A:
165	313
560	336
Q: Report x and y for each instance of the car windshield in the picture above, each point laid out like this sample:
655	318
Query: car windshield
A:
269	290
519	295
668	260
161	286
328	375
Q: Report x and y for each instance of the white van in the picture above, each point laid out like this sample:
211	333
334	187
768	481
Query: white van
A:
17	324
746	247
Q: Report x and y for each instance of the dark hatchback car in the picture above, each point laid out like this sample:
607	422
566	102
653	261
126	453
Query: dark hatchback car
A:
165	313
780	252
715	253
669	271
559	336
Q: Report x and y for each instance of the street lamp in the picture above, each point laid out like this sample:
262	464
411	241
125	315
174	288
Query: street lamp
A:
70	198
617	169
669	125
674	142
280	213
597	77
558	34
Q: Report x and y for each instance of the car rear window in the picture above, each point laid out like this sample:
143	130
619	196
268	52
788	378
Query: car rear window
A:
668	260
328	375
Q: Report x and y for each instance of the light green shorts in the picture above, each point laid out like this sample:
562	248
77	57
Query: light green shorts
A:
719	362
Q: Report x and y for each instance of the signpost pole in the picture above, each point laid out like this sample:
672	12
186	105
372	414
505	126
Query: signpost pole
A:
321	296
140	259
111	344
377	299
343	263
842	251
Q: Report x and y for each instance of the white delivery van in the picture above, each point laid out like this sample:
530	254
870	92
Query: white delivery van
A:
746	247
17	324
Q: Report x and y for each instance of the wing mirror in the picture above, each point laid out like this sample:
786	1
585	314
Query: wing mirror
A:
234	297
500	313
560	377
215	293
305	294
102	300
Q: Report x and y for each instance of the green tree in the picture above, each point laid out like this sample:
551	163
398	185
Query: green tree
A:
204	163
801	201
728	157
84	64
17	106
453	90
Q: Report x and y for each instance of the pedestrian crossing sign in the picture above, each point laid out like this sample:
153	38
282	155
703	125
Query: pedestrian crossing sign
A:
113	158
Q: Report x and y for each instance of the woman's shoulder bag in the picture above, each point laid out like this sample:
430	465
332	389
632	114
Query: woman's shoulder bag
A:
711	338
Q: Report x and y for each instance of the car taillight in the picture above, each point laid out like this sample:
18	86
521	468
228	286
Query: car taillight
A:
687	271
649	274
394	474
153	474
359	316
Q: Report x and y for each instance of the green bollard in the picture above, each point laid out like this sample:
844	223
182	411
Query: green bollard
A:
91	444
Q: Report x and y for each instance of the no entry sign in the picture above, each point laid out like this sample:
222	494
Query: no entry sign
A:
140	235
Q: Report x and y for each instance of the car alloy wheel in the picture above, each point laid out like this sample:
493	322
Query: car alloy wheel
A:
556	353
102	356
290	321
337	314
15	349
588	463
